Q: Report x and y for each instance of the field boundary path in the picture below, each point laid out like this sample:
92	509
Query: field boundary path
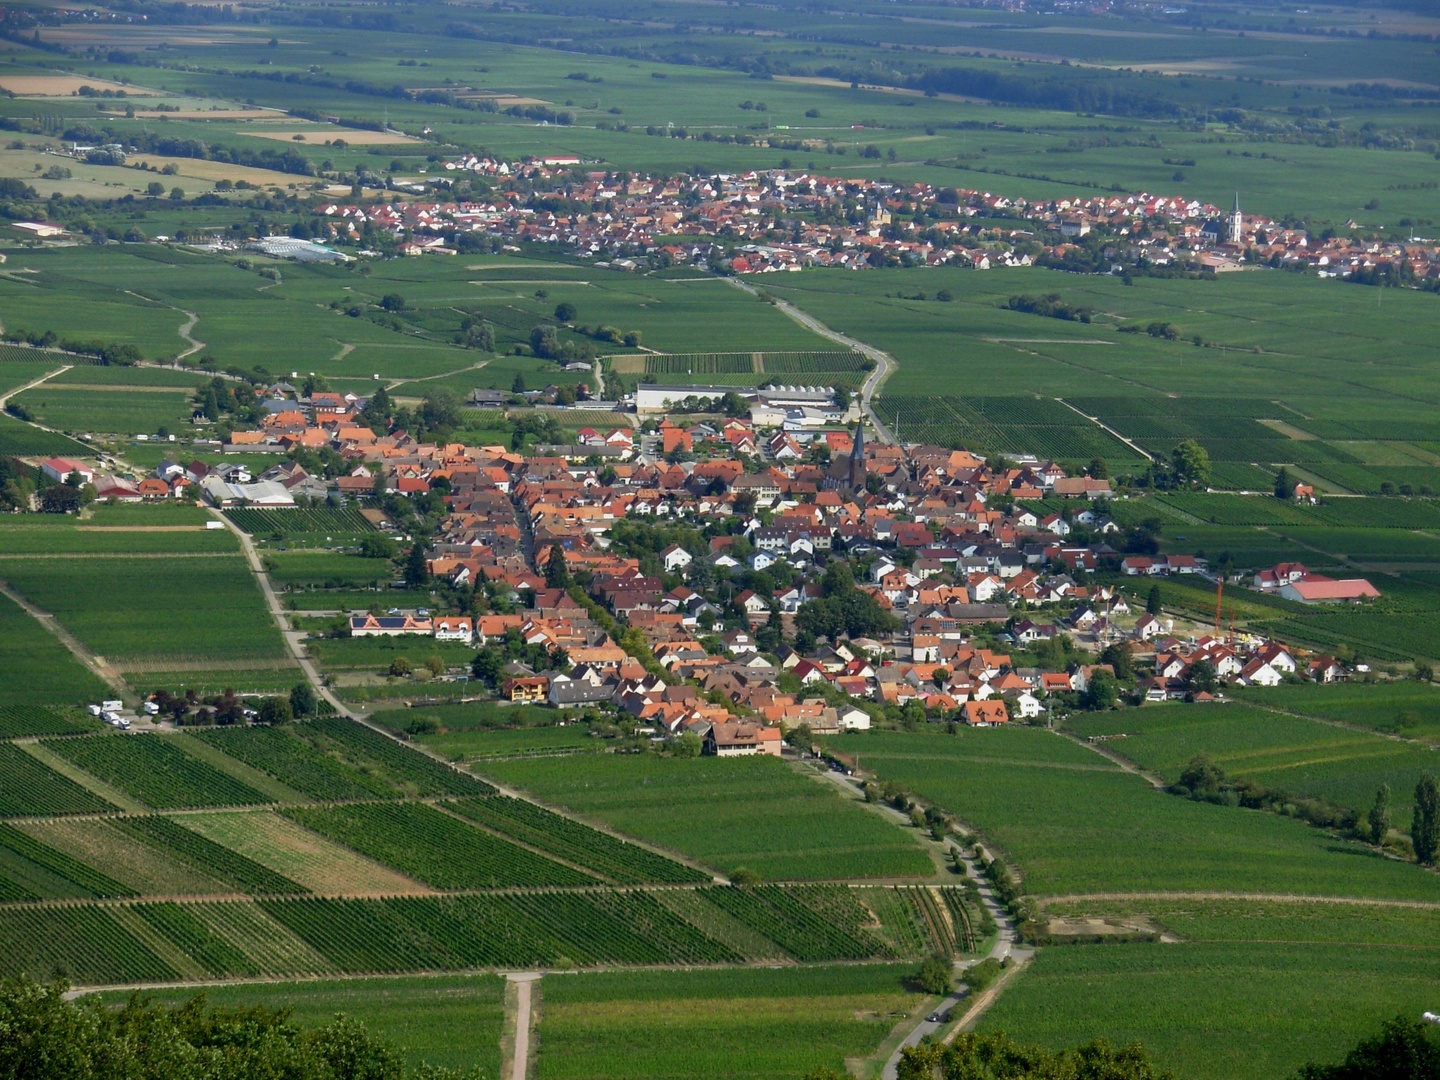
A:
1004	947
95	664
884	362
5	397
1108	429
294	639
191	318
523	981
1153	779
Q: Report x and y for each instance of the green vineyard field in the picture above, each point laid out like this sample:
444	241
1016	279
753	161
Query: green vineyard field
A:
615	859
434	846
28	786
156	771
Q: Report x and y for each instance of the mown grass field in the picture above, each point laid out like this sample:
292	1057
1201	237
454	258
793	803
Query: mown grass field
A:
454	1021
1075	828
755	813
1304	757
744	1024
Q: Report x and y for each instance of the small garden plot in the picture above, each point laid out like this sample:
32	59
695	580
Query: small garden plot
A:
87	944
300	855
301	520
155	770
324	569
30	870
615	859
29	786
142	868
424	843
231	867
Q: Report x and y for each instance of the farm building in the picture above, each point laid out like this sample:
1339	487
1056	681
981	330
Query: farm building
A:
61	469
389	625
740	740
1324	591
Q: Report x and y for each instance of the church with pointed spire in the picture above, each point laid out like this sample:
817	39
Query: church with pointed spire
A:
1235	226
848	473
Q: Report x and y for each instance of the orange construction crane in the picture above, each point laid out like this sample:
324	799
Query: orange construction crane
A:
1219	592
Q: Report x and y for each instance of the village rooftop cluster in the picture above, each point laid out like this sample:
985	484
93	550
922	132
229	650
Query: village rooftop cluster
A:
756	222
817	578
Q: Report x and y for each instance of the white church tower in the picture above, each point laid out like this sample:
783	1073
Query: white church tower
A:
1235	227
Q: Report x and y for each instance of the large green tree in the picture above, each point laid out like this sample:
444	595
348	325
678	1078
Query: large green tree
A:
1425	826
1380	815
1191	463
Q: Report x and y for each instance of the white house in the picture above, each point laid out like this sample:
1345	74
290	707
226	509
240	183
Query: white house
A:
675	558
1026	706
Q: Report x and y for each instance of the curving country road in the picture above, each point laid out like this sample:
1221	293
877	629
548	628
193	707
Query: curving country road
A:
884	362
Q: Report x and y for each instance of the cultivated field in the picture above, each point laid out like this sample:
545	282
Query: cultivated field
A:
1300	756
749	1024
1076	827
755	813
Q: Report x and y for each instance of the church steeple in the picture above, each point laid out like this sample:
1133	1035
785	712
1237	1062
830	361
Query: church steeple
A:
857	457
1236	225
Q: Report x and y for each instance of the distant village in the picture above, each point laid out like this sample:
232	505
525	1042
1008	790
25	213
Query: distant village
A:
758	222
735	579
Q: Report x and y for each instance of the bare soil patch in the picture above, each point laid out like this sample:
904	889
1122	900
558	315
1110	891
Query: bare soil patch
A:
352	136
64	85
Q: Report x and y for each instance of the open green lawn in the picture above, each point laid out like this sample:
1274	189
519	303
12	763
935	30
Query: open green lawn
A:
756	813
676	1025
1301	756
1217	1011
1078	829
454	1021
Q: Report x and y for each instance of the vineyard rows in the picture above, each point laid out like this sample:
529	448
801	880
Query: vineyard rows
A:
435	847
298	763
582	927
156	771
30	870
86	944
11	353
615	859
245	874
321	519
990	425
22	721
28	786
791	919
371	751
